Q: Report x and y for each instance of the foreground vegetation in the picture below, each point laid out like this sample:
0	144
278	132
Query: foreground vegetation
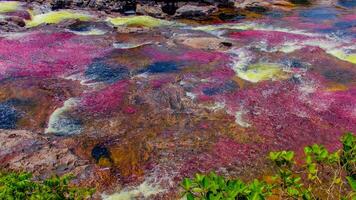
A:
21	186
323	175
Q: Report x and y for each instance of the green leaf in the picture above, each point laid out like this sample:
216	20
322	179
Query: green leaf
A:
187	183
190	196
289	155
293	192
352	183
199	177
197	190
312	168
206	182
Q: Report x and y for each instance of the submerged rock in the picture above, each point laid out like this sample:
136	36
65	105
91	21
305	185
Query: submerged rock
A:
8	116
101	72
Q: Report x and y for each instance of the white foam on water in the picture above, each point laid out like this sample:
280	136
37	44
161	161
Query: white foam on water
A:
191	95
93	31
218	106
119	45
144	190
239	119
242	58
59	116
250	26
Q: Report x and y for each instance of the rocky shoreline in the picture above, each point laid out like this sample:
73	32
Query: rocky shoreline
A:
203	11
199	11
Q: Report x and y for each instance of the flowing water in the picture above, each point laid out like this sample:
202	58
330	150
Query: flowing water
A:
154	101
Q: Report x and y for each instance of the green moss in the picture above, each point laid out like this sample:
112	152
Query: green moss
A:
139	21
262	72
9	6
56	17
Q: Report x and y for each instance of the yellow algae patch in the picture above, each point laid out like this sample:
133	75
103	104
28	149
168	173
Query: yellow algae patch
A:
141	21
336	87
261	72
56	17
9	6
340	54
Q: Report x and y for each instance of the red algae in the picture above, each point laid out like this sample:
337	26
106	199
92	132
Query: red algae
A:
45	55
203	57
280	112
106	100
271	37
225	152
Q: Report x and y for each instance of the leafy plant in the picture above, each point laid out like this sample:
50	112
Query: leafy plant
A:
215	187
282	158
21	186
348	155
325	174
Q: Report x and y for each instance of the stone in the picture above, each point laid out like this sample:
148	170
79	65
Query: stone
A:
207	43
153	11
262	6
195	12
60	4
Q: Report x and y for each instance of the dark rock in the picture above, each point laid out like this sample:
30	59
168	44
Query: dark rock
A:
300	2
161	67
220	3
347	3
129	7
100	71
8	116
226	44
227	87
16	20
60	4
231	17
170	8
340	75
100	151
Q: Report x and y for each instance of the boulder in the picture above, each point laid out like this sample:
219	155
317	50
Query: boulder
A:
150	10
206	43
195	12
259	6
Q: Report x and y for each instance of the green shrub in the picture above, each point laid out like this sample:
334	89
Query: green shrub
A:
324	175
21	186
214	187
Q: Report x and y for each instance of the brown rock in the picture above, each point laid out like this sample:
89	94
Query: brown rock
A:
207	43
195	12
262	6
130	157
154	11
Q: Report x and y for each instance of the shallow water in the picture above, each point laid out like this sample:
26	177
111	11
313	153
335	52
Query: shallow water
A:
169	99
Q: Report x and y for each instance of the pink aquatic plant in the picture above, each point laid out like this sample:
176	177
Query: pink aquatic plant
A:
105	100
45	54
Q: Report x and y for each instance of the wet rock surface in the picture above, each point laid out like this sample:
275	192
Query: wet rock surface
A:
194	12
